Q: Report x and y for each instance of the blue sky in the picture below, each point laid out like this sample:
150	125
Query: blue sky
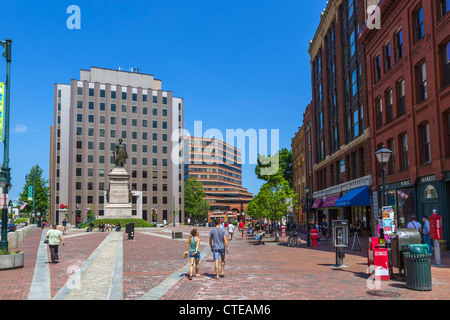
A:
238	64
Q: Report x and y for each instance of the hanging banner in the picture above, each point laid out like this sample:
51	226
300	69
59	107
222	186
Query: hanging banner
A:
2	103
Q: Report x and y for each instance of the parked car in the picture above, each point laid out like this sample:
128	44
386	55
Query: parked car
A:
11	227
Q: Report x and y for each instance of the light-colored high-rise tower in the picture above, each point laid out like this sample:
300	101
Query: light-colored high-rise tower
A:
90	116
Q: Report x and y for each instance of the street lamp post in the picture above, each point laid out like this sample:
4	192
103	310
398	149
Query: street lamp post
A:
383	156
308	241
5	173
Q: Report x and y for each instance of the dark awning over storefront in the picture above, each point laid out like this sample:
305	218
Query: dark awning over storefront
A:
317	203
331	200
355	198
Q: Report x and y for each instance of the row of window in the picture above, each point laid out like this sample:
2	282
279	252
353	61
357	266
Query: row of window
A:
399	53
113	121
101	200
353	166
134	96
392	110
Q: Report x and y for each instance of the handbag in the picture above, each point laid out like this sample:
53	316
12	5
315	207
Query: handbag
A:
185	254
46	240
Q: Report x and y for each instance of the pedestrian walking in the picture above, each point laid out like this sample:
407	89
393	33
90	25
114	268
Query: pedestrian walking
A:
192	246
241	229
231	230
64	226
414	224
219	245
54	239
426	233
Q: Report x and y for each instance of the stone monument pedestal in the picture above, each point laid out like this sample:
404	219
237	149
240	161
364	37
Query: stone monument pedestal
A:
118	202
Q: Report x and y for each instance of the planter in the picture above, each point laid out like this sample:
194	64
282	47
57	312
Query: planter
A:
10	261
19	259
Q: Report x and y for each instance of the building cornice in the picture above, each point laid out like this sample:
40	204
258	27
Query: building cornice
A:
326	19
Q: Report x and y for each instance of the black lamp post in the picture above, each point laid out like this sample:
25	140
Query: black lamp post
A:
383	156
308	241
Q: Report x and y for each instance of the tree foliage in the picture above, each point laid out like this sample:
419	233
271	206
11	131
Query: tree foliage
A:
274	200
195	205
270	166
41	191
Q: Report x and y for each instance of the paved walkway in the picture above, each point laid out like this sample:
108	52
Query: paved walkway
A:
108	266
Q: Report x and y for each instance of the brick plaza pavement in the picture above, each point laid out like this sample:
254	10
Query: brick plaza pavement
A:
150	267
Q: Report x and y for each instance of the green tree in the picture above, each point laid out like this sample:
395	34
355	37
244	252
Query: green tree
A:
274	200
269	166
194	199
41	191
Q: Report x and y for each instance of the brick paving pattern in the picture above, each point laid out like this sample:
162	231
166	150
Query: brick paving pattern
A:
252	272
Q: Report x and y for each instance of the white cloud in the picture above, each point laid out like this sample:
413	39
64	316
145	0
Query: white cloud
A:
20	128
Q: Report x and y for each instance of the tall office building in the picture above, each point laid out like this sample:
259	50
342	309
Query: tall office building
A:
340	127
218	166
90	116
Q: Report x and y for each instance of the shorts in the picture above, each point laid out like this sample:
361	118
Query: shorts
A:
196	256
218	253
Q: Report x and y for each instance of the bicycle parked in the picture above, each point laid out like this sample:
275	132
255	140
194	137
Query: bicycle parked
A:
294	240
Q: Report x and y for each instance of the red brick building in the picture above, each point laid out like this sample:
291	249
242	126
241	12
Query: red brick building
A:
407	70
340	134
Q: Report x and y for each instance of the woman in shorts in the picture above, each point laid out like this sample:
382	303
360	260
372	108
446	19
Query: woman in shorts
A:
192	246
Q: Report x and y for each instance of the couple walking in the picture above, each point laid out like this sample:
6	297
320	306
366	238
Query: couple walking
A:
218	243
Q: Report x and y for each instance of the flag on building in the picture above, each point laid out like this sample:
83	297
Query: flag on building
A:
22	205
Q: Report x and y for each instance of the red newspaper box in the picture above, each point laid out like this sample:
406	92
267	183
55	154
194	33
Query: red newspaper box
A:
314	237
435	226
283	231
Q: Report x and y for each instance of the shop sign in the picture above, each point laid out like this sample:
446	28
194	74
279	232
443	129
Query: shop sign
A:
427	179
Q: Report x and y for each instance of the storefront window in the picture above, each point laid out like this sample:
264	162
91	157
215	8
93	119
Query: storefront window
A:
406	208
430	192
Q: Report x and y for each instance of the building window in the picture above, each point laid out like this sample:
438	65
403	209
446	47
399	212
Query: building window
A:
446	63
379	107
91	92
113	95
354	83
387	57
419	24
444	7
389	106
355	123
401	97
377	66
391	165
404	152
422	82
426	143
399	45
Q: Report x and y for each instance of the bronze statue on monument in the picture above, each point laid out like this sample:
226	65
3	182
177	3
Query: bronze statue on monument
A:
120	154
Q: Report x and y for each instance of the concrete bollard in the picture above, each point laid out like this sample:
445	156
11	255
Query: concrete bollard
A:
12	241
19	233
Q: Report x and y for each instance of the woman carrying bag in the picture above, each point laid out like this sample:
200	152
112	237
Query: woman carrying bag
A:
192	246
54	239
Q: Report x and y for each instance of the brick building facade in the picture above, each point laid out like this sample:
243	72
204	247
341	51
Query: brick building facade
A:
408	94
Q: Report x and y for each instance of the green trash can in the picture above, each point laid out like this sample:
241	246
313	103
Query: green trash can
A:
418	271
418	248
